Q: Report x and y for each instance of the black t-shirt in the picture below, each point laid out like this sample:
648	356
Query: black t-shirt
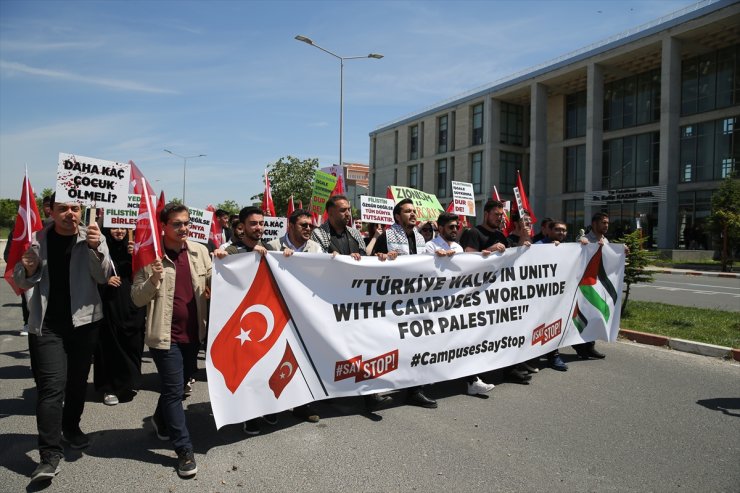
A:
381	245
58	256
343	243
480	238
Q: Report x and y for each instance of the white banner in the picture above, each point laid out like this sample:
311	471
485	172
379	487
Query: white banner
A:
275	227
200	224
92	182
464	198
376	209
289	330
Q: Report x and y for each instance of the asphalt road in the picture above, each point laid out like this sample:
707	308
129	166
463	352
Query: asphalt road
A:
697	291
643	419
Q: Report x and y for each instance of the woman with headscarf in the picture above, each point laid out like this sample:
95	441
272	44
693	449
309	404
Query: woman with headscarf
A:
118	355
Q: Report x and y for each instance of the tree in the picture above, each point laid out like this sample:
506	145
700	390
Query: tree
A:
8	212
229	206
635	267
725	218
290	176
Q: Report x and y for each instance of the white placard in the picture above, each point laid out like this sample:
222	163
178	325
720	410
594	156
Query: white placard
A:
124	217
275	227
92	182
376	209
464	198
200	224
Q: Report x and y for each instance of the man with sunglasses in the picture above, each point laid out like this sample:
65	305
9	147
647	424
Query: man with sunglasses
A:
445	244
175	290
298	238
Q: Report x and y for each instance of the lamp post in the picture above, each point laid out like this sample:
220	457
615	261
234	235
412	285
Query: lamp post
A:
341	59
184	167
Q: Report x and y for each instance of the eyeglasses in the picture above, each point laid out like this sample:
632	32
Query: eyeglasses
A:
305	225
453	226
180	224
560	230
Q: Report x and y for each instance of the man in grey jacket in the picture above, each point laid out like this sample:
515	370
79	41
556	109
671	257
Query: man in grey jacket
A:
64	265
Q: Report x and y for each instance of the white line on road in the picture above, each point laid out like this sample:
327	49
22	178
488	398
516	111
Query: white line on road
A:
694	284
695	291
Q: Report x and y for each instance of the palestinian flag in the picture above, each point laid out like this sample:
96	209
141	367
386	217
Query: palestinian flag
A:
597	292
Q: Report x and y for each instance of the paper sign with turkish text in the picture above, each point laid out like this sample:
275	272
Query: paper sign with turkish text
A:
427	205
124	217
376	209
92	182
200	224
275	227
463	197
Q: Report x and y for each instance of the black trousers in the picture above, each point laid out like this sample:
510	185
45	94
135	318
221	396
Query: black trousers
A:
60	360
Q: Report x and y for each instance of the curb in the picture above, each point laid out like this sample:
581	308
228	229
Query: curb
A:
686	272
681	344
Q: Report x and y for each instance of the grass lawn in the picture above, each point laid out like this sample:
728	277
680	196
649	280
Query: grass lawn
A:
694	324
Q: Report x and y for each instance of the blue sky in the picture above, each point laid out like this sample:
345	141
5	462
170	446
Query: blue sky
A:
122	80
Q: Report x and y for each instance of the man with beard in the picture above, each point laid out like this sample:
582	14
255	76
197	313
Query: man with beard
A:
253	225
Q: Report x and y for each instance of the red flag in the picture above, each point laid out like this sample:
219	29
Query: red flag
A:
216	233
251	331
138	184
283	374
160	204
27	222
147	237
463	219
523	197
268	206
291	207
389	193
300	204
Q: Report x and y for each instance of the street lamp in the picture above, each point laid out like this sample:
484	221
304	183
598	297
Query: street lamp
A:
341	59
184	166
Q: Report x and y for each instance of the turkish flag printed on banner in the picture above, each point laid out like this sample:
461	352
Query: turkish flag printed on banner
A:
147	237
283	374
251	331
216	232
268	206
27	222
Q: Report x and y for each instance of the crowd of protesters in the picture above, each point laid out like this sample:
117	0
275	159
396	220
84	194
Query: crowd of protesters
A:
85	303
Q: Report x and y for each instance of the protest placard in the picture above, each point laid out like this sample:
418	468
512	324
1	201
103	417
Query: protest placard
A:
200	224
376	210
275	227
323	185
463	197
125	217
427	205
92	182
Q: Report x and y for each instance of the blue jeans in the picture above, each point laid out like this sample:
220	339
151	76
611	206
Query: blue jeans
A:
175	366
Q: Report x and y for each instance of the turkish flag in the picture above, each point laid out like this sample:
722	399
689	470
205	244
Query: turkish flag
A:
138	185
291	207
216	233
147	237
160	204
251	331
268	206
283	374
523	195
300	204
27	222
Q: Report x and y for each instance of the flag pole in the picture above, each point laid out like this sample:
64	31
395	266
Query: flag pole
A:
28	203
145	196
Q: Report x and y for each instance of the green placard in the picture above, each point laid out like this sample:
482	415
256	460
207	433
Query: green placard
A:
323	185
427	205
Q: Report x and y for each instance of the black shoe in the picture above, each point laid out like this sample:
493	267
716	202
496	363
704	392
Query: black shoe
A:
373	402
47	468
593	353
75	438
160	429
251	427
518	376
186	463
306	412
270	419
419	399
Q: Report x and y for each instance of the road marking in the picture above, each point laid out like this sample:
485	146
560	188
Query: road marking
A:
694	284
695	291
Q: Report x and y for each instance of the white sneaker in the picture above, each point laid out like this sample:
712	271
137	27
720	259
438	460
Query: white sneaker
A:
110	399
24	330
530	368
479	387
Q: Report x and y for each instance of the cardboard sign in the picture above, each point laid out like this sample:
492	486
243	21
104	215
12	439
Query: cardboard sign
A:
376	210
275	227
92	182
323	185
200	224
427	205
464	198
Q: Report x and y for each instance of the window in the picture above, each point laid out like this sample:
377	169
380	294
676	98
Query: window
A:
710	81
512	124
632	101
631	161
442	134
575	169
476	171
442	178
575	115
692	227
414	142
510	163
709	150
477	124
414	176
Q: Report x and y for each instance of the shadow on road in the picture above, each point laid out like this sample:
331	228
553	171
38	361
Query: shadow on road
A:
727	405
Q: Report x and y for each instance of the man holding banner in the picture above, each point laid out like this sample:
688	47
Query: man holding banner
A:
175	290
63	325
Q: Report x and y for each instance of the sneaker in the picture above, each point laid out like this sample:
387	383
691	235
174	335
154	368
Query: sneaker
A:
24	330
186	463
557	363
48	467
531	369
75	438
270	419
159	428
110	399
306	412
251	427
479	387
189	387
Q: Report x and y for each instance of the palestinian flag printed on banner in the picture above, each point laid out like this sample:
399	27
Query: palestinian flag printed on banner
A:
596	294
